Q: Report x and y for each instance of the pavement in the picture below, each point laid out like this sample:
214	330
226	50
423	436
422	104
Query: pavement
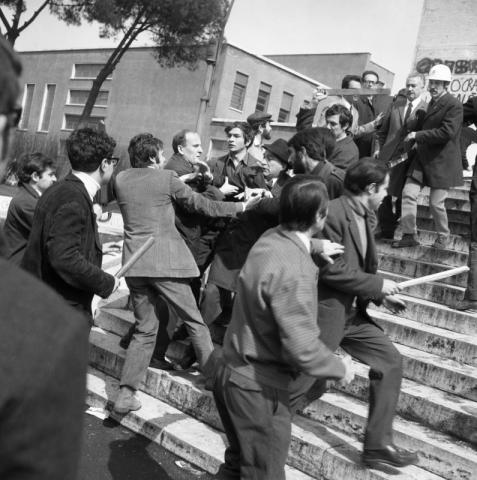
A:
112	452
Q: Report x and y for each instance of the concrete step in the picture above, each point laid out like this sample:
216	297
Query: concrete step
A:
459	224
424	253
319	451
441	411
461	193
414	268
181	434
438	453
435	292
434	314
457	242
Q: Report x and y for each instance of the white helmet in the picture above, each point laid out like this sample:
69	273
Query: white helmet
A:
440	72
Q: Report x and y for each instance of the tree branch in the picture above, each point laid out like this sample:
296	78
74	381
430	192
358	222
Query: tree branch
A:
34	15
4	20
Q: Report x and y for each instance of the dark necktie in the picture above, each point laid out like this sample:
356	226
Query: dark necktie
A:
408	112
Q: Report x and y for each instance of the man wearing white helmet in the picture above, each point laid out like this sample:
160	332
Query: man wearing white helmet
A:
437	163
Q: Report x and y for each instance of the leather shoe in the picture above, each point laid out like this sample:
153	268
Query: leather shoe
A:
126	402
391	455
466	305
161	364
407	240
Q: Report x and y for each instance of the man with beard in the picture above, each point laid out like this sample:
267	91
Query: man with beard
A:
43	347
309	151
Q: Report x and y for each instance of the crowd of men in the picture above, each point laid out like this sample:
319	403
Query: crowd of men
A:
275	241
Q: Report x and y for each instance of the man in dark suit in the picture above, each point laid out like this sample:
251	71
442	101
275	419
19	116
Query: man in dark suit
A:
146	195
272	337
346	287
469	302
437	163
43	350
35	174
400	119
64	249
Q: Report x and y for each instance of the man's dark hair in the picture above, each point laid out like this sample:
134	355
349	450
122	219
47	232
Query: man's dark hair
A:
347	79
247	131
180	139
362	173
319	142
30	163
345	116
142	147
370	72
87	148
301	199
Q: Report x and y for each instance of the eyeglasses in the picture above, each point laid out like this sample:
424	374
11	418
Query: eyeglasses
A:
370	82
113	161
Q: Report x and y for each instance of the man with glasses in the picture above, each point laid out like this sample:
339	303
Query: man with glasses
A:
64	248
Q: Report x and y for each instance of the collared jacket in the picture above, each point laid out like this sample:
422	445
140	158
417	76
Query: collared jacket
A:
64	248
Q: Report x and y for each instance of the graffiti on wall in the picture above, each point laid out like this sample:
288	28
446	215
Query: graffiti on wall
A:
464	75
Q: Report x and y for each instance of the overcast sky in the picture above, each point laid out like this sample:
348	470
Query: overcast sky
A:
387	29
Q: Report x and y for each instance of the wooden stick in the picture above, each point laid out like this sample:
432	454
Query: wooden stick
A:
357	91
135	257
433	277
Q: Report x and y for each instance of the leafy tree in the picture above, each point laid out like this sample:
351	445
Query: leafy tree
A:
178	29
13	28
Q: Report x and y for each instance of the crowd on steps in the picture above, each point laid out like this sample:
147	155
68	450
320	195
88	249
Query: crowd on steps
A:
274	240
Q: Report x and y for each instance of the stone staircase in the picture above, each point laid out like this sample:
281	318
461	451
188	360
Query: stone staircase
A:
437	409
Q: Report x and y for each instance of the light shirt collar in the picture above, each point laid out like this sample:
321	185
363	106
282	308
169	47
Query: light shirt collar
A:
304	238
91	185
414	103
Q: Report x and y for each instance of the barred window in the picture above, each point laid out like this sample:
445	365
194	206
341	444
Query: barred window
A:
47	107
285	107
263	97
71	121
26	105
238	91
79	97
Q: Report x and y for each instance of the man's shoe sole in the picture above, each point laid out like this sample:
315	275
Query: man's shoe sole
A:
377	463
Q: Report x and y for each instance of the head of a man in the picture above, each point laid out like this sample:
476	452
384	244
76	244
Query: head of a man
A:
339	120
239	137
303	204
309	147
145	150
90	151
414	86
439	78
260	123
370	79
37	170
187	143
367	179
276	154
10	71
351	82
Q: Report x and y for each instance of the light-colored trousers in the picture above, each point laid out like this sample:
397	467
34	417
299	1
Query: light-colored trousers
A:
437	198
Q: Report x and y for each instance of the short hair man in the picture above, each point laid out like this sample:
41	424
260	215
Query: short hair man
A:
262	130
346	287
36	173
146	195
437	163
339	121
63	249
401	118
272	337
43	349
310	149
237	170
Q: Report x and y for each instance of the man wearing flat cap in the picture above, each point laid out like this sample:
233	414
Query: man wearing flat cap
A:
262	130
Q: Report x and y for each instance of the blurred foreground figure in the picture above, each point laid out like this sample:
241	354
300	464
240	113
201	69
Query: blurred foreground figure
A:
43	351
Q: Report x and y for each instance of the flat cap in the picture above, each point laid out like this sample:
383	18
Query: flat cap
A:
258	117
279	149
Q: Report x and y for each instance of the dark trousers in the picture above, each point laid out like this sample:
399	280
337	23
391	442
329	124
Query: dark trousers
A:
471	291
216	305
257	423
388	218
178	294
366	342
